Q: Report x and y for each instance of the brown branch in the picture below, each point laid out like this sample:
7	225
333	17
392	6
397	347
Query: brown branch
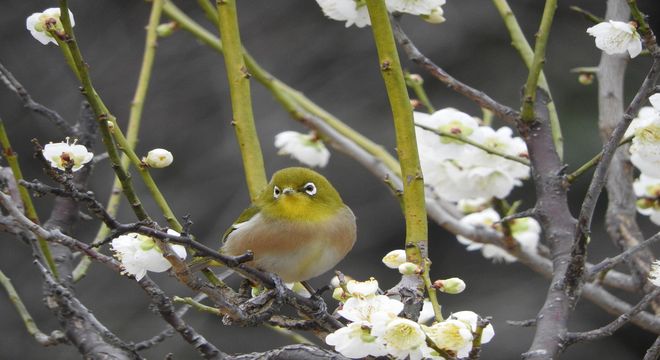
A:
291	352
609	263
501	111
615	325
17	88
81	327
653	353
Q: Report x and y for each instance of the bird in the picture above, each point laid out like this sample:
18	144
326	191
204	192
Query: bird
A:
298	227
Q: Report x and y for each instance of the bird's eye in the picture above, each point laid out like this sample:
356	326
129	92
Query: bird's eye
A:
276	192
310	188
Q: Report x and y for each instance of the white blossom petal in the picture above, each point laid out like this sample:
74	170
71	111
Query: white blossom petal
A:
306	148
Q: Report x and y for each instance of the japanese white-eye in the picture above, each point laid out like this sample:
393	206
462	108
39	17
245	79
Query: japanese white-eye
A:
298	227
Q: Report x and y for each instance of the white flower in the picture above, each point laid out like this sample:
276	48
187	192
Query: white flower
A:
351	11
654	274
453	335
402	338
447	120
62	155
647	189
616	37
526	231
158	158
450	286
355	341
457	170
436	16
363	309
408	268
36	24
467	206
306	148
470	318
362	288
414	7
645	148
485	218
427	314
139	254
394	258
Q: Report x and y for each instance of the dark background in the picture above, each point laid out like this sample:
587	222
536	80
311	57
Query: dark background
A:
188	112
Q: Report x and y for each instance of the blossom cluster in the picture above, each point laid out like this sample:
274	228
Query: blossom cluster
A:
645	155
376	329
457	170
354	12
524	231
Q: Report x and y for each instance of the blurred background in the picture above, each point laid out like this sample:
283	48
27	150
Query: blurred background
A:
188	112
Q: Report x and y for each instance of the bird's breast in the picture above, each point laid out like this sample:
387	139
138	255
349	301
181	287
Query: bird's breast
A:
295	250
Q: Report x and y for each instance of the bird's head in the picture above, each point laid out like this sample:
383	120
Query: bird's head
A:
298	193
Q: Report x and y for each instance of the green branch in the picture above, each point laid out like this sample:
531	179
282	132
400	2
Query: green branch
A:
278	88
30	210
133	126
102	114
32	328
413	181
529	96
520	43
241	99
593	162
416	83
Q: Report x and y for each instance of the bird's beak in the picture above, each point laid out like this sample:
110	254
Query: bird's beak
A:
288	191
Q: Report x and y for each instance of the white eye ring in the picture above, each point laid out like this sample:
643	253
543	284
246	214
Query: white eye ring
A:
276	192
310	188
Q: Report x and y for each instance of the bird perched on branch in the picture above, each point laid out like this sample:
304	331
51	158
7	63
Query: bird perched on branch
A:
298	227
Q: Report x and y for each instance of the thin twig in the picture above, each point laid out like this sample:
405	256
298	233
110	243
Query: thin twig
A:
55	338
501	111
610	263
10	81
610	328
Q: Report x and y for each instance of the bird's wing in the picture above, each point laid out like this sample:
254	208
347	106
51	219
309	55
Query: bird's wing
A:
246	215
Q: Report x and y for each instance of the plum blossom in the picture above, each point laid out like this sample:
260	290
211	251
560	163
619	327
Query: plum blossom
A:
354	12
645	148
158	158
452	335
355	341
394	258
306	148
456	170
654	274
362	289
647	190
62	155
403	338
363	310
414	7
37	24
616	37
525	231
139	254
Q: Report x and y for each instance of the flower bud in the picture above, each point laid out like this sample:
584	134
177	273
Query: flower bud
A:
338	294
158	158
586	78
408	268
435	17
450	286
166	29
394	258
